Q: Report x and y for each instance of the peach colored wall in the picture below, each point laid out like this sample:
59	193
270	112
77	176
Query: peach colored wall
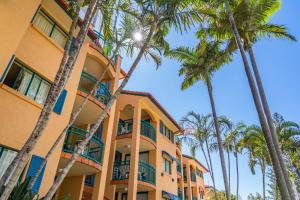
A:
12	33
72	187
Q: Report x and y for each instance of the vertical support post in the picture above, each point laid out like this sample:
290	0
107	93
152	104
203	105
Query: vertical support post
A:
107	138
134	157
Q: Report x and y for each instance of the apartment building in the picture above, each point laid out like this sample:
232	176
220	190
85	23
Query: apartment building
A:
33	37
133	154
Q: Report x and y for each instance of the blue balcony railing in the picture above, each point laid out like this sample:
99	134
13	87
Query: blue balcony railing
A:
148	130
194	198
179	194
121	170
125	127
94	149
147	173
87	83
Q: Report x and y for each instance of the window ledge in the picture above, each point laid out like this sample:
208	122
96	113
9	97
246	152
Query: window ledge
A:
21	96
48	38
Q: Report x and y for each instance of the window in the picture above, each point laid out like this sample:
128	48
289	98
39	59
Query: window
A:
50	28
27	82
167	166
166	132
6	157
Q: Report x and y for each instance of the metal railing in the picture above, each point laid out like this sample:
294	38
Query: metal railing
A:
179	194
148	130
121	170
125	127
193	176
194	198
94	149
147	173
102	93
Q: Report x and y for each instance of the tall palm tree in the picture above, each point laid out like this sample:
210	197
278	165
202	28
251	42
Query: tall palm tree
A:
155	18
200	64
197	131
10	177
230	18
233	138
225	127
254	142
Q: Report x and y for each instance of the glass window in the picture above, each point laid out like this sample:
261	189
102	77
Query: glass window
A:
43	92
50	28
59	36
6	157
142	196
144	157
27	83
167	166
34	86
43	23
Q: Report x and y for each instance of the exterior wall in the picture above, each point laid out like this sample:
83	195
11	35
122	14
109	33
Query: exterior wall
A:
42	55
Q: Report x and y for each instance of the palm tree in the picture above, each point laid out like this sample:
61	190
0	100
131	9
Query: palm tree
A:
255	144
225	127
255	19
11	175
231	142
155	18
201	63
197	131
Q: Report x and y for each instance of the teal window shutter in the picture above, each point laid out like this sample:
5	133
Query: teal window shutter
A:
35	163
60	102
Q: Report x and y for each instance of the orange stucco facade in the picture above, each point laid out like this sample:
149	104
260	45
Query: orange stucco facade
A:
133	155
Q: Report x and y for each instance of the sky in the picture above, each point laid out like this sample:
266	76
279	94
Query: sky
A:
278	61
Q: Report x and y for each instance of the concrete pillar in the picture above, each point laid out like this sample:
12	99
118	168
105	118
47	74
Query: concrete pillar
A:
110	189
72	187
107	138
134	157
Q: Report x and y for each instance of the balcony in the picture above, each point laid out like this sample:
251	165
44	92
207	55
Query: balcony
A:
121	170
194	198
193	177
146	173
179	168
87	83
94	149
147	130
179	194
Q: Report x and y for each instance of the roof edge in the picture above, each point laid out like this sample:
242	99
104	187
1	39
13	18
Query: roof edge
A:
153	99
190	157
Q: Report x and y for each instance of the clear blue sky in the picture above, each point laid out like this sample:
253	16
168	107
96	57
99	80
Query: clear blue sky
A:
278	61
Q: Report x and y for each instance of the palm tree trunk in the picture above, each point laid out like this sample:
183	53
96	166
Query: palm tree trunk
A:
273	154
80	147
12	174
269	117
237	175
211	168
229	175
220	146
72	120
264	182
